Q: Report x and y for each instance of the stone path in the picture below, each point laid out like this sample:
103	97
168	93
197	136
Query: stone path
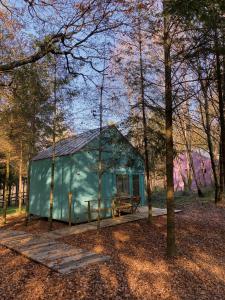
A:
142	213
55	255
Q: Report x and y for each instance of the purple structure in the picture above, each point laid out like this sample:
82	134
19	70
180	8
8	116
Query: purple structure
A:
183	171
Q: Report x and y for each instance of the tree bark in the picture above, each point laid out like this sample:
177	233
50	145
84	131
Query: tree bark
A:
221	116
189	152
46	46
207	128
6	188
221	191
186	187
20	177
171	246
51	198
100	171
28	190
9	194
144	123
223	104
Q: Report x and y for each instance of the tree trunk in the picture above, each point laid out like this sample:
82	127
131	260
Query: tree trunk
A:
207	129
6	187
144	123
20	177
221	190
9	194
189	155
211	154
17	193
189	175
223	108
188	139
171	246
200	193
100	166
221	116
100	171
51	197
28	190
186	187
23	191
29	163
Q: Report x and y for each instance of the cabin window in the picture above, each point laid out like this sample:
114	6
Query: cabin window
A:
122	184
136	187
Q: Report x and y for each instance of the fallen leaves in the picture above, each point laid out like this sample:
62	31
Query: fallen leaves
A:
137	268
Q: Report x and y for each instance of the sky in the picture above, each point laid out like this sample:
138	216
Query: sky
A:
84	107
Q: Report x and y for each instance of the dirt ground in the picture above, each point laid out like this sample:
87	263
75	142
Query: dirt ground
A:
36	225
137	269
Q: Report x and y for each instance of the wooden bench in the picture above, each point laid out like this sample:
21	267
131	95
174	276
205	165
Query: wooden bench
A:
119	203
136	201
124	203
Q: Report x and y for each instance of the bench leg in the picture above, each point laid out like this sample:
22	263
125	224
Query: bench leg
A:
89	212
113	213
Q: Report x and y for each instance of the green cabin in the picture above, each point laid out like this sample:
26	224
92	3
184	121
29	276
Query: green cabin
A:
76	171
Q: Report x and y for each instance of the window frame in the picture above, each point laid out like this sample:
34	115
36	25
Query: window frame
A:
125	184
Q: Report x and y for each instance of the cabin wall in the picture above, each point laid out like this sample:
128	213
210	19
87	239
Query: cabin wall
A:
78	174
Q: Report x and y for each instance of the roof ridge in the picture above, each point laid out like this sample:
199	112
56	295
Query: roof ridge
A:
84	132
70	145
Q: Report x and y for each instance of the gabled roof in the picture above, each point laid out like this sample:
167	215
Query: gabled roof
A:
74	144
70	145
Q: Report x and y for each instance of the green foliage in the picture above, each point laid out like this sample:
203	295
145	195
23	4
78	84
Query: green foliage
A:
31	107
207	13
26	116
11	210
156	138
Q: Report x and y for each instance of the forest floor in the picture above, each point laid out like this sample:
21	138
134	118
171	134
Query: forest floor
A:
138	268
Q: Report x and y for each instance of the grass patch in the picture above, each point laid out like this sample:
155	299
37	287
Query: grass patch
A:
11	210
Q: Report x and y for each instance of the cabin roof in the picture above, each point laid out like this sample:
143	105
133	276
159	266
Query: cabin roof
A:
70	145
74	144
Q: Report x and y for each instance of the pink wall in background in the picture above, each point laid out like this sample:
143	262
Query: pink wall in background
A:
202	165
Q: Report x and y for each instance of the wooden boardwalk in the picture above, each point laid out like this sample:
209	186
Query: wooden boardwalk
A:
142	213
57	256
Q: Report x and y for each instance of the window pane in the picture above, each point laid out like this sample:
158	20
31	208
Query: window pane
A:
119	183
122	184
126	184
136	190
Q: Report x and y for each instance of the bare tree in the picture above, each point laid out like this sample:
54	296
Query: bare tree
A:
73	35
